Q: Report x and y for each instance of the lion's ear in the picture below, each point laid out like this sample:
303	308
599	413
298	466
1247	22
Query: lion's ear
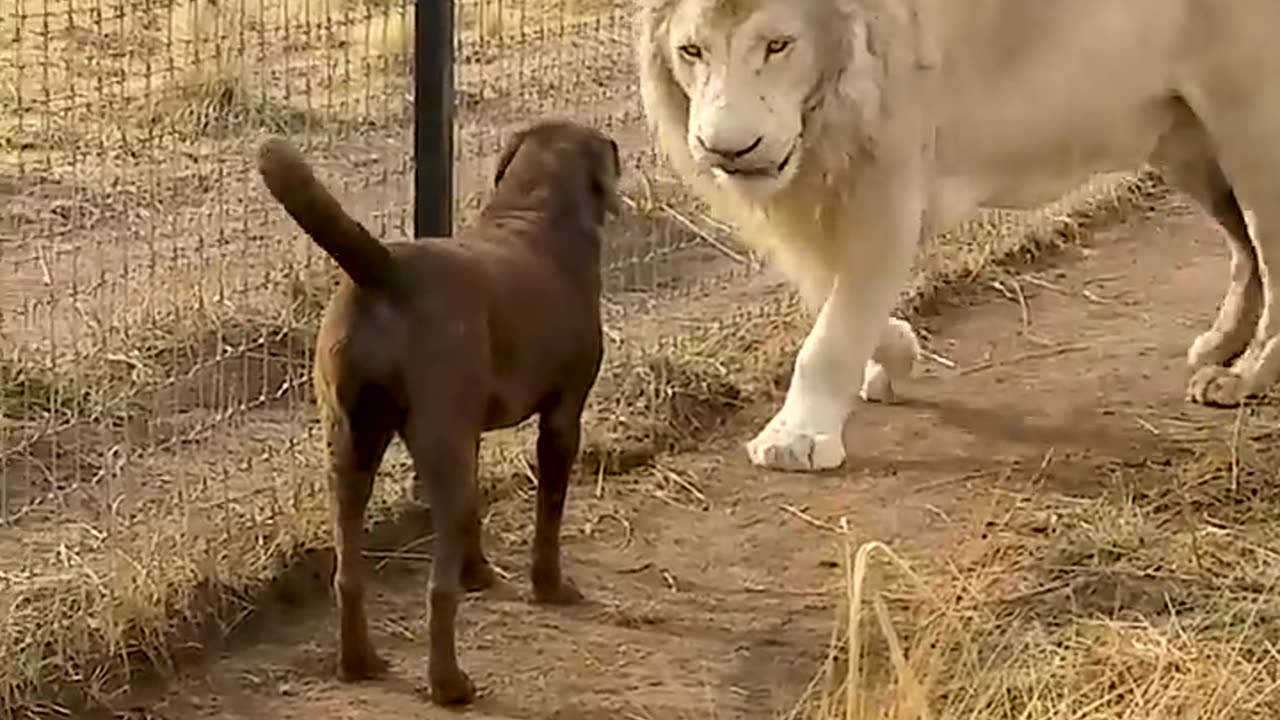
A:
508	154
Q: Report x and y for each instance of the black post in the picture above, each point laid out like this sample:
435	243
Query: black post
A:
433	119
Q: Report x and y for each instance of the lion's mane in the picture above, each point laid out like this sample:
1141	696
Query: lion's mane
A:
800	227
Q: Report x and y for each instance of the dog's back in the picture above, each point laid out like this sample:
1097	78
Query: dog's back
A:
509	305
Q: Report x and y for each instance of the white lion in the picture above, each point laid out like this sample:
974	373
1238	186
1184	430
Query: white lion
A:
838	133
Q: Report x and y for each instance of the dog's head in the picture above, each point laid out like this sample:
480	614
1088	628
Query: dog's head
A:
567	157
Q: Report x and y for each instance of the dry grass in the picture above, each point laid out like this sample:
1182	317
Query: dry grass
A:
1157	601
174	73
179	71
99	154
1155	598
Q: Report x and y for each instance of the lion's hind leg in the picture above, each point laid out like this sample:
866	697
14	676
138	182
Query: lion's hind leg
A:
1256	370
1241	307
1246	133
892	362
1185	155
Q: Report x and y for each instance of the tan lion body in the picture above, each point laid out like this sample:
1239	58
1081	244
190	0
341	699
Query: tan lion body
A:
837	134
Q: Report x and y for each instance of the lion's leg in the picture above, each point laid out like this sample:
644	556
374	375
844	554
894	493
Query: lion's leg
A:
1185	154
1241	307
1258	369
897	349
1249	142
806	434
891	363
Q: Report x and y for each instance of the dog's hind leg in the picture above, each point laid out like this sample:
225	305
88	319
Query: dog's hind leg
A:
446	464
559	434
355	449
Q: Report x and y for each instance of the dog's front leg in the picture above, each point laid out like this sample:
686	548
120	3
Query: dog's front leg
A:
559	434
870	270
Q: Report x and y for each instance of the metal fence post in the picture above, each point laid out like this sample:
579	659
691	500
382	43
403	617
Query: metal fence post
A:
433	119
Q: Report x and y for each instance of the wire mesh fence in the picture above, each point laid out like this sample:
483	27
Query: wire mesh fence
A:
157	309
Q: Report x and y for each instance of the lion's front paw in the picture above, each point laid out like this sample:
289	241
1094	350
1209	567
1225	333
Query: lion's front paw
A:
780	447
1217	386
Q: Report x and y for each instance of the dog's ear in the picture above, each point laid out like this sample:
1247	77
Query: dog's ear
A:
508	154
606	170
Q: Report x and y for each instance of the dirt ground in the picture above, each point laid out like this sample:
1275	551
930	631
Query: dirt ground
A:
711	584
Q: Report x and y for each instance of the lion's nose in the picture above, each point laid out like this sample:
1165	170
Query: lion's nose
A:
730	153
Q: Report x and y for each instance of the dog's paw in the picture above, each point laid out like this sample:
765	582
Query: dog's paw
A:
779	447
361	665
1217	386
563	592
478	576
452	688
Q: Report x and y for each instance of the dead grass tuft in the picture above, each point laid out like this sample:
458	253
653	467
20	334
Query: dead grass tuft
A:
1155	601
29	393
220	103
649	403
961	260
385	37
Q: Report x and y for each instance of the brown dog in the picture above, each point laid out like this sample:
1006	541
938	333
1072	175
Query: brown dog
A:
441	340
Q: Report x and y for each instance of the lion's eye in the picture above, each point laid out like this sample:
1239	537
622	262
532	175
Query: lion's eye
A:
776	46
691	51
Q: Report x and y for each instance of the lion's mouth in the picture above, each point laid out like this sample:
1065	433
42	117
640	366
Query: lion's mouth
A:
760	172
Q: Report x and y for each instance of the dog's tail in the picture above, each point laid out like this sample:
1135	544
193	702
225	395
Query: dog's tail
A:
291	181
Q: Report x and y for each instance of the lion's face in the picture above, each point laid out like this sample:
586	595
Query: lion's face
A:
747	69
